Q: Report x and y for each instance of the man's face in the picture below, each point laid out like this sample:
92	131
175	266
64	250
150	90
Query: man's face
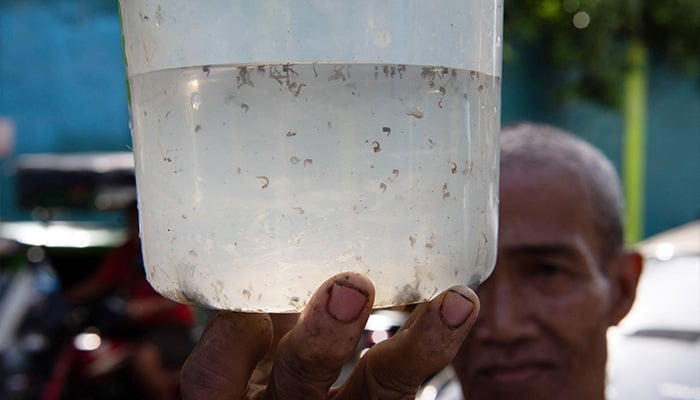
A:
547	306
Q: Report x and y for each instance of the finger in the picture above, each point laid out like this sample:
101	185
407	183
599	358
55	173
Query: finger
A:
282	324
412	316
221	364
395	368
311	356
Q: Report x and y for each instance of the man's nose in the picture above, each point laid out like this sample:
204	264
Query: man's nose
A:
505	316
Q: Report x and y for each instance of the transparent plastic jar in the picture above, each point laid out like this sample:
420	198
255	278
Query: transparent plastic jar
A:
280	142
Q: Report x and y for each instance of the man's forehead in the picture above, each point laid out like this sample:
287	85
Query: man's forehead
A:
544	211
538	233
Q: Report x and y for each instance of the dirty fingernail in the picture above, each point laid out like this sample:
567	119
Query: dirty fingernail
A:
346	302
455	309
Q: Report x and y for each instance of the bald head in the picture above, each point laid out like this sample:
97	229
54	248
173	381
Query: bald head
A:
538	147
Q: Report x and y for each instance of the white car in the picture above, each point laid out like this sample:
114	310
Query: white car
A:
654	353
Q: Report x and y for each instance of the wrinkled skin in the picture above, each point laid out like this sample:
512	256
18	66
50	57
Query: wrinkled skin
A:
545	310
258	356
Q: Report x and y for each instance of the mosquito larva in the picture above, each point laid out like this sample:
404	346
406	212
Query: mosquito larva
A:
263	179
415	112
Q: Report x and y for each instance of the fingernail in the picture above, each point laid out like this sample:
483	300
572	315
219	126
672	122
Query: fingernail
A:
455	309
346	302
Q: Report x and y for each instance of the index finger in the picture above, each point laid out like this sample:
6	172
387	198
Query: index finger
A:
311	356
395	368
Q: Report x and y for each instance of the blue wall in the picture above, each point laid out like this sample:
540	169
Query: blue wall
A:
62	83
672	186
62	75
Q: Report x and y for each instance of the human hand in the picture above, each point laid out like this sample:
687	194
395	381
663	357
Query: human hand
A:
238	357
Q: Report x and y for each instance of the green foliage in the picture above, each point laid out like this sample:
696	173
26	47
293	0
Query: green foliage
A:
587	40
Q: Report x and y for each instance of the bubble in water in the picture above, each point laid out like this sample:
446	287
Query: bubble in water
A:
159	17
196	101
381	38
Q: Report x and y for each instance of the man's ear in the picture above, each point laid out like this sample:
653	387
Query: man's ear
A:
624	276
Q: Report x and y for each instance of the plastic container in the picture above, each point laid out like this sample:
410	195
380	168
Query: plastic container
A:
279	142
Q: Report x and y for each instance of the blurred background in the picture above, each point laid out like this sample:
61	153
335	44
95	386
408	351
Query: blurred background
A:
622	74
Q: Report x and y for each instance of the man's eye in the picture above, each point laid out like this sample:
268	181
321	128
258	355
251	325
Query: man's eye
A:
550	269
